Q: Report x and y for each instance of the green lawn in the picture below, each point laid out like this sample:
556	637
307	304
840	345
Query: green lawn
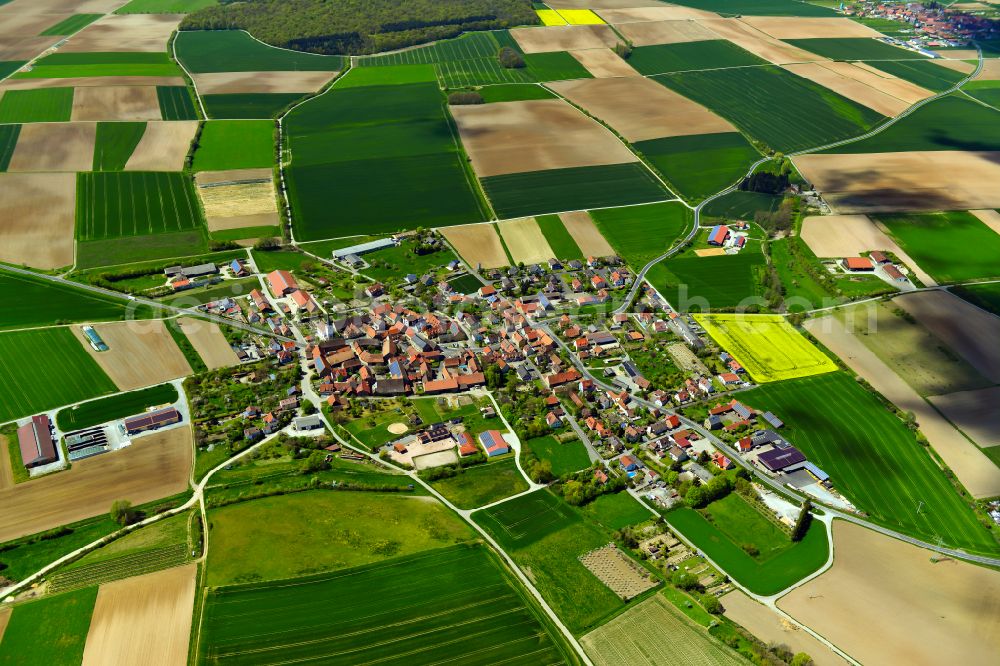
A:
952	247
115	407
559	239
879	465
8	141
34	301
482	484
119	63
237	51
686	56
308	532
924	73
115	143
641	233
700	165
176	103
35	106
565	458
63	620
73	23
613	512
235	144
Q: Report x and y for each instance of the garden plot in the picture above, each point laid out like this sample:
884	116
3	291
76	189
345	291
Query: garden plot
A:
802	27
635	108
227	83
603	63
143	620
54	147
163	146
905	181
478	244
124	32
758	43
564	38
665	32
207	339
536	135
140	353
588	238
38	210
116	103
525	241
975	413
888	96
616	570
885	601
155	466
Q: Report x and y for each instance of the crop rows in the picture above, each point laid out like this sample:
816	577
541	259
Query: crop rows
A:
134	203
136	564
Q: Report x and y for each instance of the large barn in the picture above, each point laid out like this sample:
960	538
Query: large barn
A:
35	440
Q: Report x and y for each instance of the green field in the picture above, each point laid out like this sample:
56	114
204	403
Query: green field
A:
514	92
759	7
781	109
565	458
741	205
951	247
113	407
387	264
697	283
924	73
559	239
74	23
984	91
115	143
176	103
235	144
386	154
161	534
266	231
8	141
119	63
641	233
8	67
248	105
613	512
454	605
164	6
556	190
237	51
687	56
700	165
854	48
465	284
63	619
34	301
986	296
880	467
52	105
34	378
484	484
25	556
388	75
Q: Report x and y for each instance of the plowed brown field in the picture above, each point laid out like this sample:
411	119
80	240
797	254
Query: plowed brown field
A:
163	147
116	103
140	353
38	212
54	147
564	38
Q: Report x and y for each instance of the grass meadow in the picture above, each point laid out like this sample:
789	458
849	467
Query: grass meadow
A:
176	103
693	283
23	557
115	143
34	301
613	512
559	239
43	369
51	105
118	406
641	233
854	48
248	105
121	63
451	605
781	109
565	458
700	165
235	144
63	619
737	204
236	51
8	141
484	484
687	56
952	247
872	458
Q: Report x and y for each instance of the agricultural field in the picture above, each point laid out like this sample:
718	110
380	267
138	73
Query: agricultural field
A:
129	341
237	51
760	7
742	205
37	302
50	105
478	245
176	103
881	468
68	26
164	146
513	92
614	512
924	73
122	63
691	282
688	56
64	618
235	144
585	233
168	532
952	247
433	607
985	296
639	234
854	48
566	458
8	142
558	238
35	379
164	6
125	34
484	484
767	346
700	165
248	105
209	342
524	241
115	143
118	406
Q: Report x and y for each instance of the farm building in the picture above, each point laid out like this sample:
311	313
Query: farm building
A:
363	248
878	257
777	460
35	441
494	443
718	235
282	283
152	420
466	447
858	264
894	273
95	340
312	422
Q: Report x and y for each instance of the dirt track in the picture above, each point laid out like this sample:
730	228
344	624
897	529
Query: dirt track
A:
125	32
564	38
603	63
38	210
155	466
208	340
54	147
665	32
116	103
478	244
141	353
974	412
143	620
219	83
886	602
163	147
525	241
588	238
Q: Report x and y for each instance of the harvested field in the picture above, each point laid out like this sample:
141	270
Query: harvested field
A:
710	252
957	54
887	602
116	103
163	147
989	217
525	241
91	81
616	570
243	221
586	234
991	70
536	135
207	339
603	63
839	78
641	12
564	38
143	620
140	353
643	117
974	412
478	244
38	210
956	65
758	43
238	200
880	80
800	27
54	147
665	32
970	332
772	628
203	178
157	465
850	235
125	32
972	468
905	181
226	83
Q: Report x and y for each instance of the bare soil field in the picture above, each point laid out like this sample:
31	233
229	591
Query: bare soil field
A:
907	181
842	82
876	78
665	32
91	81
603	63
799	27
588	238
957	65
224	83
163	146
514	137
710	252
525	241
125	32
758	43
116	103
970	332
6	473
143	620
618	572
25	48
640	12
157	465
478	244
564	38
770	627
972	468
243	221
886	602
232	176
4	619
989	217
54	147
974	412
991	70
641	109
140	353
850	235
207	339
957	54
222	201
38	210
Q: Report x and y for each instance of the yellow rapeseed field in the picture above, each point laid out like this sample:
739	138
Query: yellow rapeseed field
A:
767	346
550	17
580	17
